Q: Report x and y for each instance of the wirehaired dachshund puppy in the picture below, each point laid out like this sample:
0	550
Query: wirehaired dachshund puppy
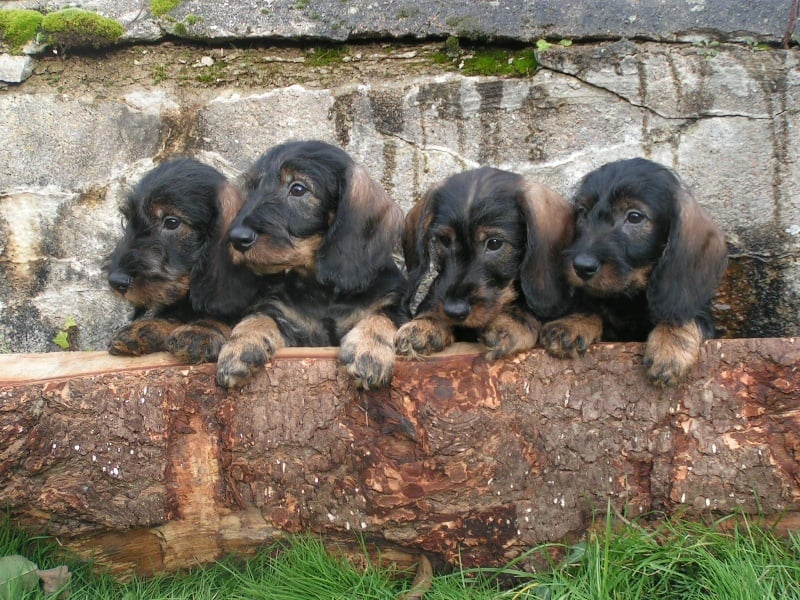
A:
645	262
172	263
321	233
483	254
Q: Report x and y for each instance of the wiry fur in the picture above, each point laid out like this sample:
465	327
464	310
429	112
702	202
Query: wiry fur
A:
645	263
173	266
482	249
321	232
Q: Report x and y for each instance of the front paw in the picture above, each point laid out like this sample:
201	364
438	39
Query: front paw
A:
141	337
253	343
422	336
571	336
367	352
508	335
198	342
671	351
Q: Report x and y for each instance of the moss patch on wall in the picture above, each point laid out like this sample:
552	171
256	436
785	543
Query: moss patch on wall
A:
77	28
19	26
159	8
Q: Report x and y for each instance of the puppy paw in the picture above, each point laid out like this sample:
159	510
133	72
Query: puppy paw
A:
671	351
198	342
367	352
422	336
252	345
141	337
508	335
572	335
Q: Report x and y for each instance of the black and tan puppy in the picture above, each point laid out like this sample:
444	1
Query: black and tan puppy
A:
483	253
321	233
173	264
645	262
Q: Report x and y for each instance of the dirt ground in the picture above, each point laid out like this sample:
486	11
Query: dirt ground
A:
195	68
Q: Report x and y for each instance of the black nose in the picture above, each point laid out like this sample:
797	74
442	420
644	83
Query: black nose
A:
242	237
585	266
458	309
120	281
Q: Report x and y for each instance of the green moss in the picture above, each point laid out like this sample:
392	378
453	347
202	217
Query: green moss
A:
192	19
179	29
19	27
321	57
76	28
161	7
496	61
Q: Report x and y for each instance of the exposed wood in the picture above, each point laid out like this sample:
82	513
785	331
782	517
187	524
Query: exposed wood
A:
150	466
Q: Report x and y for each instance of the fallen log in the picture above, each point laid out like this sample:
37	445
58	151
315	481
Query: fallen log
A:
149	466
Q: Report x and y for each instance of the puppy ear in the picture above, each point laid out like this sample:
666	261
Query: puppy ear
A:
218	286
550	220
691	267
417	250
361	239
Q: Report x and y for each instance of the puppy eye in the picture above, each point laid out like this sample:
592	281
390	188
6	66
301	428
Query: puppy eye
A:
171	223
297	189
494	244
634	217
580	212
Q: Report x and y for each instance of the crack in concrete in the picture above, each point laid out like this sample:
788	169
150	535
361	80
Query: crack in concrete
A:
693	118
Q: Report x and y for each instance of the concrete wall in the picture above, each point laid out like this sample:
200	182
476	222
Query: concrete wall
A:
727	120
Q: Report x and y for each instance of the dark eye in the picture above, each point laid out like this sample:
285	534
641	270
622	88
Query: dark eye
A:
580	212
634	217
297	189
494	244
171	223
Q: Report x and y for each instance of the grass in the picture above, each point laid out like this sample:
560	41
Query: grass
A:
671	560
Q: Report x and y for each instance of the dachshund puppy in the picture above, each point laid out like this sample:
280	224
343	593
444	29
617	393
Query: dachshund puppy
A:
483	254
321	233
645	262
173	265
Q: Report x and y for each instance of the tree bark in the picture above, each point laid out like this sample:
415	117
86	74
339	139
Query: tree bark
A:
149	466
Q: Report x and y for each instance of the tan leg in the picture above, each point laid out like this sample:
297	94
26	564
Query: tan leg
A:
142	337
572	335
422	335
199	341
510	333
671	351
367	351
252	344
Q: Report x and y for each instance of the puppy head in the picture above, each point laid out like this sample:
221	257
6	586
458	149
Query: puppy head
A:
637	229
170	217
471	239
309	206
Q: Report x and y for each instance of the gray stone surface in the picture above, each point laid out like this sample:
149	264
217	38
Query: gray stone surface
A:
14	69
524	20
726	117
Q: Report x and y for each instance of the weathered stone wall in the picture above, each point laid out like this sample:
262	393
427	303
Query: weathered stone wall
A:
726	117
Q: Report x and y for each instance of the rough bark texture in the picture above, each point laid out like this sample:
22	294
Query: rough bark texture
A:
150	466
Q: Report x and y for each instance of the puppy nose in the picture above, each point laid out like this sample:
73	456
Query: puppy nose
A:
242	237
458	309
585	266
120	281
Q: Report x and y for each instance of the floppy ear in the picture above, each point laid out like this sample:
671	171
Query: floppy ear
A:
550	219
362	236
218	286
416	250
691	267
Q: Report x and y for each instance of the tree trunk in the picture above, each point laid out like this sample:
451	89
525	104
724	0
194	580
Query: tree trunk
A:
150	466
